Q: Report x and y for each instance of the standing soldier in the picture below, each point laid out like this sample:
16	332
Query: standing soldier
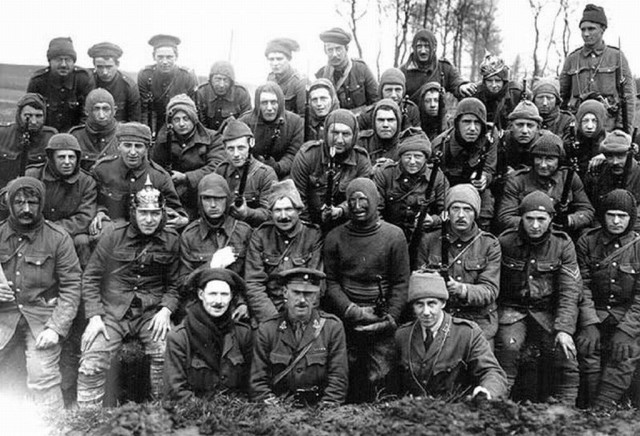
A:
424	66
546	175
187	150
221	97
249	179
97	136
301	352
322	101
278	132
130	287
352	78
292	83
63	85
468	154
538	305
608	258
329	165
24	142
599	71
403	185
433	110
546	97
159	82
40	295
277	245
471	263
367	266
106	73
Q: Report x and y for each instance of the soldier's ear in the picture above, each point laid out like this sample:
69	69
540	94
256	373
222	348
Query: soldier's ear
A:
252	142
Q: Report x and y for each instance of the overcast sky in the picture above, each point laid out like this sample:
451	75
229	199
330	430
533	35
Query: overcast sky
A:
238	29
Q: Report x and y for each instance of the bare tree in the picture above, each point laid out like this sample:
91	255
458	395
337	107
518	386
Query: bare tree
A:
403	14
536	9
352	18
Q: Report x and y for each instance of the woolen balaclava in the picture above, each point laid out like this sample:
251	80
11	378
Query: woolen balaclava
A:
34	100
342	116
470	106
535	201
36	187
327	84
392	76
591	107
548	144
428	36
99	95
388	104
618	199
274	88
368	188
223	68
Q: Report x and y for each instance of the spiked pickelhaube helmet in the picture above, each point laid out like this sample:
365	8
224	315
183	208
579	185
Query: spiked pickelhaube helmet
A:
148	198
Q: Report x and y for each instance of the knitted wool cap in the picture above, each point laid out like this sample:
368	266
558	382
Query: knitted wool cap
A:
368	188
392	76
418	143
285	189
463	193
526	110
594	14
63	141
336	36
62	46
282	45
98	95
235	129
105	50
618	199
548	144
182	102
473	106
223	68
547	86
427	285
616	142
342	116
133	132
536	201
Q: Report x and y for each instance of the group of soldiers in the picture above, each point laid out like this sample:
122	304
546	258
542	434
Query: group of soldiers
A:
340	241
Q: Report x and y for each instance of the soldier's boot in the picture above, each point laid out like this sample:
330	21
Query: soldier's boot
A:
48	399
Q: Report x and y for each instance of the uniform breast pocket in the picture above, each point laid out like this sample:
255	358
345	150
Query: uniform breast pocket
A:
158	262
628	275
512	274
545	272
300	260
279	360
606	80
317	358
8	156
38	271
448	374
357	94
474	267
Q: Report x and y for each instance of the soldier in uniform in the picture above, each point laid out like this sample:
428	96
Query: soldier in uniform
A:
499	95
28	132
97	136
187	150
608	258
540	288
282	243
353	80
473	261
106	60
322	101
221	97
300	353
129	288
423	66
338	154
546	175
118	177
433	110
468	155
159	82
546	97
367	266
590	120
594	71
215	232
63	85
209	352
251	202
439	354
619	170
402	186
524	131
382	140
292	83
40	295
278	132
392	86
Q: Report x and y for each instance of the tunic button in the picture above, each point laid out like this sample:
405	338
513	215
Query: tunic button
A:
19	254
459	278
133	180
17	273
533	261
135	288
613	280
459	262
611	296
608	307
530	277
286	242
286	259
617	245
19	239
614	263
299	370
20	306
18	290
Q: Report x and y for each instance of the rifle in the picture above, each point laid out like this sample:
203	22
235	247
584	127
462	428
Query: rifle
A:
307	115
26	145
239	199
169	162
481	161
523	96
620	82
382	304
444	252
562	206
416	236
331	174
274	138
150	110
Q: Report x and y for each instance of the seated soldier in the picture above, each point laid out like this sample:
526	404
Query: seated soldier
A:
209	352
129	288
433	110
322	101
441	355
301	353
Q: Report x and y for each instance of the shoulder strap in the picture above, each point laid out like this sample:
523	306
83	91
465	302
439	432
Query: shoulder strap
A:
465	248
620	250
278	378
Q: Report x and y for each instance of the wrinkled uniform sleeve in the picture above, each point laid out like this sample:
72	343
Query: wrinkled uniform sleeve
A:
256	276
453	79
337	366
485	290
587	309
508	216
295	137
79	222
485	367
260	364
569	288
256	216
175	366
583	211
171	296
92	276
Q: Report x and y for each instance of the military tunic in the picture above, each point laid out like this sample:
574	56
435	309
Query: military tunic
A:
95	144
126	96
11	146
357	86
213	109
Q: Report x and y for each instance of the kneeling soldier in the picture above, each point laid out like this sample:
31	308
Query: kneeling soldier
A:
302	352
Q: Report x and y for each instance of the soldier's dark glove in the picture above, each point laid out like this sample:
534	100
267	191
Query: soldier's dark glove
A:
360	315
387	324
622	346
588	340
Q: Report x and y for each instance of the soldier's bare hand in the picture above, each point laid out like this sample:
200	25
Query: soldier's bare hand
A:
331	213
596	162
240	212
240	312
160	324
96	224
94	328
46	339
468	89
175	220
479	184
456	288
178	177
7	294
565	341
